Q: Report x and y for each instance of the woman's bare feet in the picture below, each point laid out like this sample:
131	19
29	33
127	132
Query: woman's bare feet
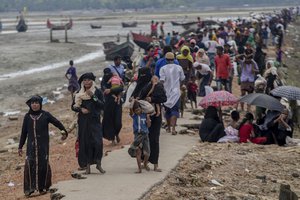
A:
156	169
138	171
118	139
88	169
101	170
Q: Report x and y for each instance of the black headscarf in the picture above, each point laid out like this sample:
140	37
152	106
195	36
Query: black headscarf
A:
144	77
35	98
107	74
88	75
212	113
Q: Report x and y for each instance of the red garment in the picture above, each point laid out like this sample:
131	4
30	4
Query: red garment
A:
245	134
192	87
223	66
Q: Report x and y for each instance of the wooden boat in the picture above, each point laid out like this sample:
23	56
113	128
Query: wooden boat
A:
22	26
182	23
96	26
112	49
60	27
142	41
130	24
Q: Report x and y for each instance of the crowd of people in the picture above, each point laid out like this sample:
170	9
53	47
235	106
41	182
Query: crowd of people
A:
172	71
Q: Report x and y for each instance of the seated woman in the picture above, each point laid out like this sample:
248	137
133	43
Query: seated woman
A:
246	131
232	132
282	127
211	128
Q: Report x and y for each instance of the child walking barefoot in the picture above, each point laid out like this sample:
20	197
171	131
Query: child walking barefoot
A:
141	122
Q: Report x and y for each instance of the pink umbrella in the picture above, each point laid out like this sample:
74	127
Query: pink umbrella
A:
218	99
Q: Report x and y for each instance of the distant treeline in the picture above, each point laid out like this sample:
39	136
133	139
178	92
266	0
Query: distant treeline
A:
43	5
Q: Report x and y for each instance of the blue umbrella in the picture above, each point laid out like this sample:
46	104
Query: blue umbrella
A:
289	92
262	100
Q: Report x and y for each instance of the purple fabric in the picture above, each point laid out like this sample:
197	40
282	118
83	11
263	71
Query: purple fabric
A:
72	72
73	82
247	74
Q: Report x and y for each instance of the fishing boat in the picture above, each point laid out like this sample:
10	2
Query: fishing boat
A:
60	27
112	49
129	24
174	23
21	26
96	26
142	41
185	25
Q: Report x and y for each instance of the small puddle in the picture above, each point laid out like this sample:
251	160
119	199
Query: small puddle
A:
85	58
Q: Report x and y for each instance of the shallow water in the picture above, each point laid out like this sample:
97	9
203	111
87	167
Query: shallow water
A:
85	58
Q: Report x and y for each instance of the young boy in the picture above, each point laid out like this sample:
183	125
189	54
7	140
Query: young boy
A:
141	122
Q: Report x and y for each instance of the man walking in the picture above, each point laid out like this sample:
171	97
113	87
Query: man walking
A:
171	75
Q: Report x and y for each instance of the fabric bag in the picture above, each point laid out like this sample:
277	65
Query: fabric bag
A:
147	108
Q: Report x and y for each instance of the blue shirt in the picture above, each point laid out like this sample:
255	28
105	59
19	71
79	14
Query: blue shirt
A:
168	40
120	69
140	123
160	63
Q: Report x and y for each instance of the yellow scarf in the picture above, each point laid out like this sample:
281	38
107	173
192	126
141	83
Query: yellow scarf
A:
181	56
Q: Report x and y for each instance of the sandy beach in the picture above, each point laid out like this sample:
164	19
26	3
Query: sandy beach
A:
31	64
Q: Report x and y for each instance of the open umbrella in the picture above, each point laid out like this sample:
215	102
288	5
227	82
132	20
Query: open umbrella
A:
262	100
289	92
218	99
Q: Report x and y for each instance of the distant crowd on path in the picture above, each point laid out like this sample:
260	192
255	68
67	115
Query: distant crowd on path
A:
172	72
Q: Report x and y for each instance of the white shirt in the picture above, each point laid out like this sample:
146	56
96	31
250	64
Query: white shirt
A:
211	46
205	69
172	75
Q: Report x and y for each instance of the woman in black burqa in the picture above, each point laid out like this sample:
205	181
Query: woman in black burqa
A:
89	126
37	171
211	129
158	96
112	118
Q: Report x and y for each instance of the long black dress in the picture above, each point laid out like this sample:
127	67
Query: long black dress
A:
37	171
211	129
158	96
90	131
112	118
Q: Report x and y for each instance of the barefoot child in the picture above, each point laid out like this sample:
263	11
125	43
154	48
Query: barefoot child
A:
116	82
141	122
154	81
192	88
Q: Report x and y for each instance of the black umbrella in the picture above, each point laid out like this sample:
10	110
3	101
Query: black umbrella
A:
262	100
289	92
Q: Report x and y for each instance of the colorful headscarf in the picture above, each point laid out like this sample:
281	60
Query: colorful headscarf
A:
181	56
